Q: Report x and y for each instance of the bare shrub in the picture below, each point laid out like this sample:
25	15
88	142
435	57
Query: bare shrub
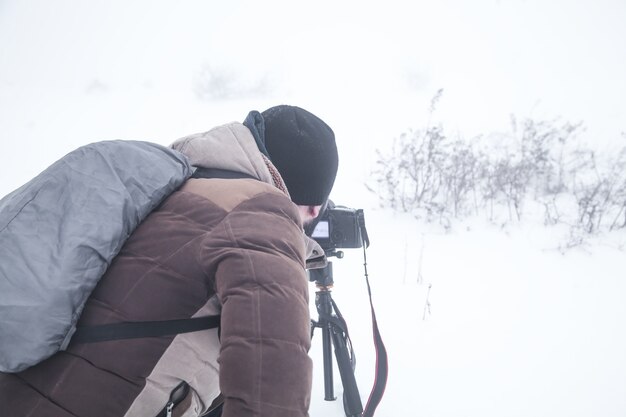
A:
437	179
600	190
409	178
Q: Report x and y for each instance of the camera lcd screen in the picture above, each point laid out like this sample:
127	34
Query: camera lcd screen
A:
321	230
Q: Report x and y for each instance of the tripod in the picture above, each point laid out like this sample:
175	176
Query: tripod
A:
335	333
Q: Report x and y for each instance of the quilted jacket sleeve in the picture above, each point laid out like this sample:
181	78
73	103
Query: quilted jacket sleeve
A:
260	280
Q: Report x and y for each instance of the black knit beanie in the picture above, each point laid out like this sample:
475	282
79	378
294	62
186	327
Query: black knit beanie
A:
303	149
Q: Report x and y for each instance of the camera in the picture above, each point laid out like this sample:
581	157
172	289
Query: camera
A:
338	227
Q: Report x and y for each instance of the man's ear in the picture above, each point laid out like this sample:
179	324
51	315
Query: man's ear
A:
308	229
314	210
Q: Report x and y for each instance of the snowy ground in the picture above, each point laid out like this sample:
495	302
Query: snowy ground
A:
515	327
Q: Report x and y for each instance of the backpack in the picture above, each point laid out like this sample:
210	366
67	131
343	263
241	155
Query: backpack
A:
60	231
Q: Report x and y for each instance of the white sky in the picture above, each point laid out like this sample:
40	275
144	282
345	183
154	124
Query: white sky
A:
74	72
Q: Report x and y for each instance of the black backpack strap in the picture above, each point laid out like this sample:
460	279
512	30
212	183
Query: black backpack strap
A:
215	410
139	329
201	172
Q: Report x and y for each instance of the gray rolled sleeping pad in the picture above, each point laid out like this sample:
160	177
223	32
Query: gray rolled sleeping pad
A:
60	231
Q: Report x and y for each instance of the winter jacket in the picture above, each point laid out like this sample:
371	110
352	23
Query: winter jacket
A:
234	245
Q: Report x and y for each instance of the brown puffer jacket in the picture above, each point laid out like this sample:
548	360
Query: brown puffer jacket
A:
230	244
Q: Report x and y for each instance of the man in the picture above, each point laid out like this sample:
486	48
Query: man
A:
230	239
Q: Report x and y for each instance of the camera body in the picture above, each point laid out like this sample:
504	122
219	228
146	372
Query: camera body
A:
339	227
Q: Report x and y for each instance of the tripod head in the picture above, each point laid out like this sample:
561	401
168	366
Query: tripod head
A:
323	277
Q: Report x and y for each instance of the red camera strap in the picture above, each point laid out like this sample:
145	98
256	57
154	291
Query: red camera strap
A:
380	378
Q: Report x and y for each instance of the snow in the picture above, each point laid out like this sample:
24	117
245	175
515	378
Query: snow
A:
516	326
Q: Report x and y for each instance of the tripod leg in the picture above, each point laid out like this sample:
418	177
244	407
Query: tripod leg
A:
352	399
329	394
325	309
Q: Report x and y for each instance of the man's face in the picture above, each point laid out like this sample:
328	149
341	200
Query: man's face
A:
308	213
